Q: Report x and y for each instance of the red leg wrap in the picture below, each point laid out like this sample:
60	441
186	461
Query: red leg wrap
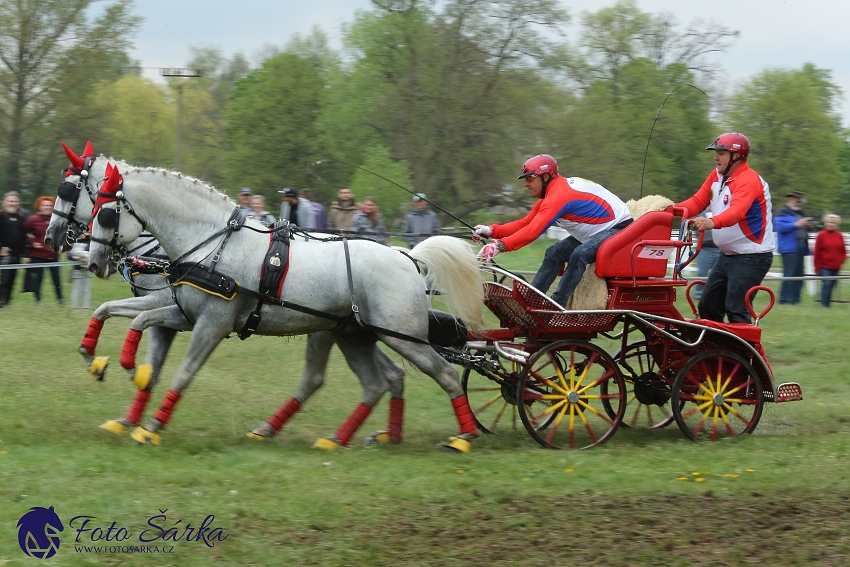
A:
396	419
92	334
131	345
286	411
137	408
163	414
464	415
347	430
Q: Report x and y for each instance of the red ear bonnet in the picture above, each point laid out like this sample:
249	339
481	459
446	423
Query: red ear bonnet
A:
76	161
112	182
89	151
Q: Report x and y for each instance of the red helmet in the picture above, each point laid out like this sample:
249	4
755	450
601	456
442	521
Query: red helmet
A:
732	142
538	165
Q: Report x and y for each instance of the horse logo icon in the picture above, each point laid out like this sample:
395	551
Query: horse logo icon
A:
38	532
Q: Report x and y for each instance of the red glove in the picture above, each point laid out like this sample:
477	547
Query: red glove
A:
489	252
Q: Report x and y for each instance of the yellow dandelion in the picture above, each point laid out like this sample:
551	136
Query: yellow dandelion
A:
682	478
695	473
526	479
751	470
4	452
731	475
568	469
459	471
700	479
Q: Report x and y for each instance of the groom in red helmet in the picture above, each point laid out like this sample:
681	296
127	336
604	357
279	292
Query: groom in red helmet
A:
588	211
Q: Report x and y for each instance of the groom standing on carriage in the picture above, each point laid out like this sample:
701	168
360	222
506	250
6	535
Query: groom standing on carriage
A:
588	211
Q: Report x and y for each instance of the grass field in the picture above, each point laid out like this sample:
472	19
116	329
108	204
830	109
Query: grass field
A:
778	497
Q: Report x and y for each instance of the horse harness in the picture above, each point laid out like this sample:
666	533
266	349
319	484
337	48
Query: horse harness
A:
273	271
71	192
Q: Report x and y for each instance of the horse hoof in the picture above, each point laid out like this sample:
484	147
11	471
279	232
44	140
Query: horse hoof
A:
255	436
114	426
142	376
326	444
97	368
457	445
377	437
144	437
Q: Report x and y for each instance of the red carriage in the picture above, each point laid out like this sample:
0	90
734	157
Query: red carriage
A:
543	367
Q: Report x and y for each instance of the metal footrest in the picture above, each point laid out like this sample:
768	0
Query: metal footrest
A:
789	392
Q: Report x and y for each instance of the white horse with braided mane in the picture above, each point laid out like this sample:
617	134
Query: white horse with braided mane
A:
384	284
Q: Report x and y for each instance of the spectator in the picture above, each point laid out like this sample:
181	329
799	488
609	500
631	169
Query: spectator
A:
319	214
297	211
80	275
258	212
420	222
708	255
13	241
739	200
792	229
342	211
245	195
369	222
830	254
38	251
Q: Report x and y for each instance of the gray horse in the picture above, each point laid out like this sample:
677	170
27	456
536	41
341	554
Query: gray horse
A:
74	211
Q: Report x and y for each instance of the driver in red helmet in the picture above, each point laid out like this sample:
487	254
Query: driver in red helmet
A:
742	227
588	211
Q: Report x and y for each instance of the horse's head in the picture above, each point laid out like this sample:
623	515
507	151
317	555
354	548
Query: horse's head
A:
115	226
75	201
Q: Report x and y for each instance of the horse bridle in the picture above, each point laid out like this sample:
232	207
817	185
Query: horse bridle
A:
110	218
71	192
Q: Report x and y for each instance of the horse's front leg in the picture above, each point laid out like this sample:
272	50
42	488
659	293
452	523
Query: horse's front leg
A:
394	375
360	351
312	378
160	340
175	321
205	337
130	308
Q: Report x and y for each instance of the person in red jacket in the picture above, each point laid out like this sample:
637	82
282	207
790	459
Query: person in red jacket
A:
588	211
741	224
830	253
38	251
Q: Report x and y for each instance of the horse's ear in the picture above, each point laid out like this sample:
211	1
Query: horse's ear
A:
110	180
76	161
89	151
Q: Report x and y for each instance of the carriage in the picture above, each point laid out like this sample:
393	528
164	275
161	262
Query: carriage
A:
544	366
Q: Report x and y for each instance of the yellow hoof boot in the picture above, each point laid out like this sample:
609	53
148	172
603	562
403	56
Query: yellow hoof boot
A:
458	444
97	368
254	436
142	377
383	437
144	437
326	444
114	426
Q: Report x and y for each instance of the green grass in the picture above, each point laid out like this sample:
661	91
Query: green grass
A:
778	497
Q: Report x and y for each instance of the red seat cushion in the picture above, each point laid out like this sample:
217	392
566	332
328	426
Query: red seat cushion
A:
749	333
614	258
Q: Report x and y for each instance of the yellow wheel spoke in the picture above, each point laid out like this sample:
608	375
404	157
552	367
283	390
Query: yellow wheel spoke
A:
488	404
561	373
739	388
552	408
553	397
584	372
596	382
498	417
587	407
554	386
631	399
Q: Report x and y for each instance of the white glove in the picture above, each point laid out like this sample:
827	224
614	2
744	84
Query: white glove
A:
481	231
489	252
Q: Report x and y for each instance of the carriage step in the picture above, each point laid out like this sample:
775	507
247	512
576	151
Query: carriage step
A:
789	392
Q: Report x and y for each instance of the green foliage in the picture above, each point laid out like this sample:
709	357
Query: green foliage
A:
271	126
392	201
790	118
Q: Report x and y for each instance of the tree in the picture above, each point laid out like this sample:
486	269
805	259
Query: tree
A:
51	56
271	125
392	201
791	120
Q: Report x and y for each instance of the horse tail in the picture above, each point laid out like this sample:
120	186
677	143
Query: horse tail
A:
452	268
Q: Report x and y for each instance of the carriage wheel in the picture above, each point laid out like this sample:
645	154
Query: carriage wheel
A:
719	396
493	400
648	390
563	388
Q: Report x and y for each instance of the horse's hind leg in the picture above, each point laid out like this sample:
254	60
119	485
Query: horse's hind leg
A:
312	378
394	375
360	350
160	340
428	361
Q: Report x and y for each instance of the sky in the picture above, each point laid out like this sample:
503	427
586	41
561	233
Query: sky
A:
774	33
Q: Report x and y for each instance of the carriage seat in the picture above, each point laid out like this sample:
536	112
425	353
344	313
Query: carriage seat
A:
614	258
750	333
